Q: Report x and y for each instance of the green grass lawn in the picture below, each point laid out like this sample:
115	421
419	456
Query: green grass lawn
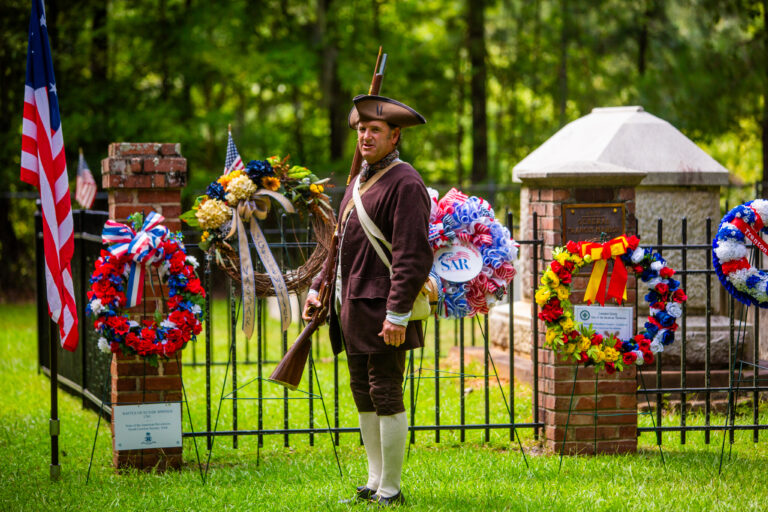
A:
447	476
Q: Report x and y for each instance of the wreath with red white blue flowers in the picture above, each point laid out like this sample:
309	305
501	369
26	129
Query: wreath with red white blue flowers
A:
117	281
746	283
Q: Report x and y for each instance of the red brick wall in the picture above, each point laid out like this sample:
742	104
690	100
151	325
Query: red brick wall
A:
145	177
616	398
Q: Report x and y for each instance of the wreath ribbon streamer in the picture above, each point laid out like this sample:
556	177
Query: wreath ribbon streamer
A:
600	254
143	247
250	211
752	233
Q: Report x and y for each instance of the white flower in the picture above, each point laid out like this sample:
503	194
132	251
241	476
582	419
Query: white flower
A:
133	324
192	261
761	207
674	309
659	336
729	250
639	361
657	265
652	311
656	346
167	324
96	306
653	282
637	255
196	310
104	345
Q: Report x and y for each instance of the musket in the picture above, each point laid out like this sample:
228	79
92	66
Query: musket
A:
291	367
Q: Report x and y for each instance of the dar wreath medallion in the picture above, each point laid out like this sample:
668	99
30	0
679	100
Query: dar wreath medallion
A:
579	343
117	282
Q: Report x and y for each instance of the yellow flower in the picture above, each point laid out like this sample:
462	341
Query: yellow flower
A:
270	182
598	356
562	257
212	214
224	180
205	236
552	278
552	336
316	189
585	344
566	324
611	354
542	295
563	292
240	188
569	348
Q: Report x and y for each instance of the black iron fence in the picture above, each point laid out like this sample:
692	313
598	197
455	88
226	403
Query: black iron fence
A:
444	379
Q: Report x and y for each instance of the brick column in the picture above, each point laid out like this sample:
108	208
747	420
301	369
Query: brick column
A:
145	177
545	193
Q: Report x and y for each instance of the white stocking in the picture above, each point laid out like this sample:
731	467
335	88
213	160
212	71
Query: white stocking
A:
369	428
394	434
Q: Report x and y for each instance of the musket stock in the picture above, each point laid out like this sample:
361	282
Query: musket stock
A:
291	367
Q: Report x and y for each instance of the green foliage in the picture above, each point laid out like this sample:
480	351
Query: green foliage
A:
282	72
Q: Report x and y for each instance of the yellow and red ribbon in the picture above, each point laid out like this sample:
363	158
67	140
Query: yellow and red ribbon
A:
600	254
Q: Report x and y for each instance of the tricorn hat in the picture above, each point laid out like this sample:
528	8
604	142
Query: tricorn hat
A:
379	108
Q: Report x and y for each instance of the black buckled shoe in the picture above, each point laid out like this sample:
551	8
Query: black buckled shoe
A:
397	499
362	493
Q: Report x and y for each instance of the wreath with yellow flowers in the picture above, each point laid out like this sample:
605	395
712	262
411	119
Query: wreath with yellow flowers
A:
580	343
249	193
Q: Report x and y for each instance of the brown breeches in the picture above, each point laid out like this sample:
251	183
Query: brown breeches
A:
377	382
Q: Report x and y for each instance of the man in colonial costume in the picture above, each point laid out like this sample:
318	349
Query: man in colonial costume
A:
371	303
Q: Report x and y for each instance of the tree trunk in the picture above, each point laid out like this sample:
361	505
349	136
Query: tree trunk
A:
764	120
562	72
334	98
476	46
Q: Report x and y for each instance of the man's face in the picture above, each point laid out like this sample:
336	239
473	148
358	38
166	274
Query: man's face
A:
376	139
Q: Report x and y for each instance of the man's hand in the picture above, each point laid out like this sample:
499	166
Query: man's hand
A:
392	334
310	304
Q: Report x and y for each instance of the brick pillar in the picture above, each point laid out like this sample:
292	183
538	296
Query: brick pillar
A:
145	177
546	193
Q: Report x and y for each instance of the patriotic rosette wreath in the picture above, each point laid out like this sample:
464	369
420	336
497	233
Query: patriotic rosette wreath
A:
117	282
729	253
459	219
580	343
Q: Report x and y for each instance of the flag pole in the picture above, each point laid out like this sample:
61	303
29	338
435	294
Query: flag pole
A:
55	469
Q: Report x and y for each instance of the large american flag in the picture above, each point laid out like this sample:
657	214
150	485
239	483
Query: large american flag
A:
233	161
85	190
43	164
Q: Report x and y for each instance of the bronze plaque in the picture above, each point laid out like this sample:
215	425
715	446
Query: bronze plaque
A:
587	221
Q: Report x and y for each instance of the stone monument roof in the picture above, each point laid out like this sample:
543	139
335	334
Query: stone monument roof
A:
623	138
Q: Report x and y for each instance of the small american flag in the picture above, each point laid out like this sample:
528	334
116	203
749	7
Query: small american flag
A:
233	161
85	191
44	165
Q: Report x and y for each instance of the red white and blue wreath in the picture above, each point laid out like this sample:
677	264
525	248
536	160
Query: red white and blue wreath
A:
746	283
117	282
474	254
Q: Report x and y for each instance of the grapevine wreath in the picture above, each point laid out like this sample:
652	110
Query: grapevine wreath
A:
248	194
746	283
117	282
580	343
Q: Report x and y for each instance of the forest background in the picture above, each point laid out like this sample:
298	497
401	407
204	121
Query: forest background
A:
494	78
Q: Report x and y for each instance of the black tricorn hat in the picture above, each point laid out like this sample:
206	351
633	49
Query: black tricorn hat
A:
380	108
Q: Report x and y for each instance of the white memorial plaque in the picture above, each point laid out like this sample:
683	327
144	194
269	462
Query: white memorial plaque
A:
606	320
458	263
147	426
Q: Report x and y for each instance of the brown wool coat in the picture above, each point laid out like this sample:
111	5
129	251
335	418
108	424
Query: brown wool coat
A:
399	205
